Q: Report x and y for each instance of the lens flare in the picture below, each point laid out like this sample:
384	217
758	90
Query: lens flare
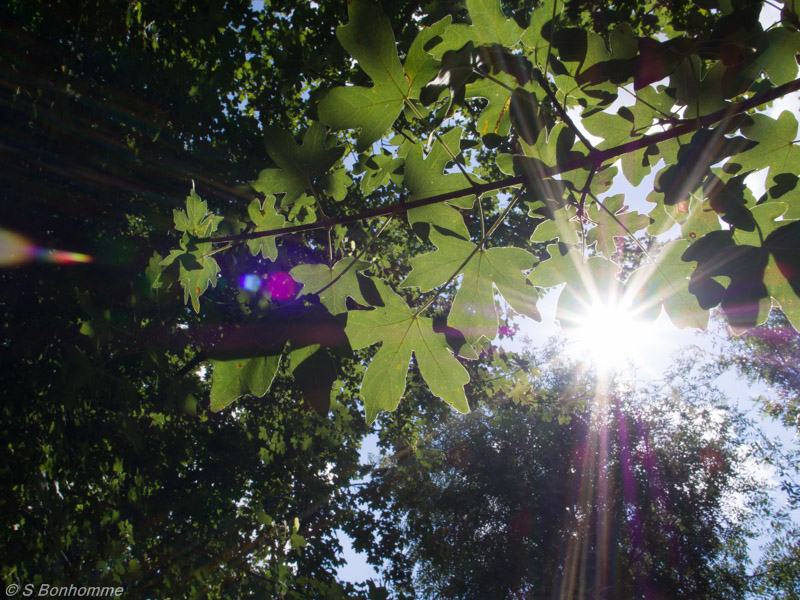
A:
609	334
16	249
250	282
281	286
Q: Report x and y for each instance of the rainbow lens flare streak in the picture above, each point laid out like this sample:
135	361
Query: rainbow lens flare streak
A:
16	249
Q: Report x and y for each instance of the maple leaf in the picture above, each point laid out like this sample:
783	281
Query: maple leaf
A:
613	222
298	164
474	311
233	379
370	40
332	285
401	333
264	216
197	269
196	220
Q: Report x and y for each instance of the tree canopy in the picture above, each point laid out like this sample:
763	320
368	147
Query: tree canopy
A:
612	502
330	211
474	139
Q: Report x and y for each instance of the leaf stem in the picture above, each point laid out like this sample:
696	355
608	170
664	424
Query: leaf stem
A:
581	209
550	42
478	248
442	142
319	204
356	258
545	84
330	249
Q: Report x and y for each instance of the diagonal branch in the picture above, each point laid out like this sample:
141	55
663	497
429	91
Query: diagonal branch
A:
596	157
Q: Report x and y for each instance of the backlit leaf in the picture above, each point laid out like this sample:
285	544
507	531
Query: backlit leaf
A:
236	378
297	163
264	216
368	37
332	285
474	311
401	334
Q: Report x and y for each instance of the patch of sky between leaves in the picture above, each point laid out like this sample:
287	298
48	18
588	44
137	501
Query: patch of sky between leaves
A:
356	569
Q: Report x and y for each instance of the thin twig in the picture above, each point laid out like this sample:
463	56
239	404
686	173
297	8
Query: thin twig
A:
550	42
330	249
442	142
355	259
582	206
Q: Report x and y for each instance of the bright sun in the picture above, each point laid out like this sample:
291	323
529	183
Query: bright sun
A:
610	335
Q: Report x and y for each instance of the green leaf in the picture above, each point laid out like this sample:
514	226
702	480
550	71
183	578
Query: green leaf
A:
459	75
378	169
534	37
623	223
637	165
368	37
233	379
425	177
314	373
696	218
581	54
437	217
297	163
154	271
560	222
474	310
557	147
335	184
488	26
297	541
402	334
565	264
782	275
683	176
264	216
699	96
786	189
667	283
765	217
778	58
196	220
197	270
745	300
333	297
777	145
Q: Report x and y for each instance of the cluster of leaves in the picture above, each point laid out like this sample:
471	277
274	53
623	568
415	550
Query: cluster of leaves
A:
114	470
527	97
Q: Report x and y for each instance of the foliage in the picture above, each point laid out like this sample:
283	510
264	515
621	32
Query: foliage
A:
114	471
114	468
770	353
627	497
525	97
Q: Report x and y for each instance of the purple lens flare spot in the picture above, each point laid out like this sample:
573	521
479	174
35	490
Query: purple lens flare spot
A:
281	286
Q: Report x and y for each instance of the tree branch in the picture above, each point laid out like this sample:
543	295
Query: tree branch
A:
596	157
